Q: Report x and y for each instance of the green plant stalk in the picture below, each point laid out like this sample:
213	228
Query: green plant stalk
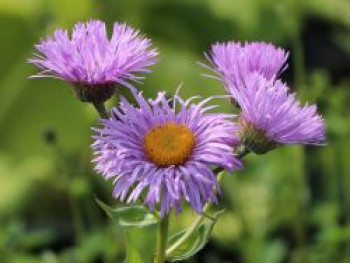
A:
101	109
162	236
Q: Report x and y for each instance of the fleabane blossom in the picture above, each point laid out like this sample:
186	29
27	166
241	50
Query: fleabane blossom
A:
162	151
92	62
233	62
271	116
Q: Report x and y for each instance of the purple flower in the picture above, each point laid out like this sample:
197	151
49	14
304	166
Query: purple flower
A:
91	61
165	152
271	116
234	62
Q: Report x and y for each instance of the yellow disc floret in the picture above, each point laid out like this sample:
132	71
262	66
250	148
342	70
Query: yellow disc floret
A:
169	144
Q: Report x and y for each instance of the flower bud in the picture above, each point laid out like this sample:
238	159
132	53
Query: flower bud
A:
254	139
95	94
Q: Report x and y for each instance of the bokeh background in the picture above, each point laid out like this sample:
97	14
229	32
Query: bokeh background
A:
290	205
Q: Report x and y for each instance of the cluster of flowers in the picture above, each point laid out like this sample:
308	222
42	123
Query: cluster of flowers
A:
163	151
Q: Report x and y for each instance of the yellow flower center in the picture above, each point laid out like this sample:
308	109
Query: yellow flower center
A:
169	144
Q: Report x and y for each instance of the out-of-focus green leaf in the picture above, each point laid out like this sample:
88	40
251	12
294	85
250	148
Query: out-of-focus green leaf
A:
23	8
37	238
11	87
129	216
337	10
67	12
23	258
274	252
33	169
195	242
133	255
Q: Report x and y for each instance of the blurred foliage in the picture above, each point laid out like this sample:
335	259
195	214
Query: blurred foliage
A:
291	205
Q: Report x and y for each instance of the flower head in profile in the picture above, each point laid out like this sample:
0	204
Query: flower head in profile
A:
91	61
271	116
163	150
234	62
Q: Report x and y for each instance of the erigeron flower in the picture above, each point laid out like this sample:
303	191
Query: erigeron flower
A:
233	62
92	62
271	116
164	152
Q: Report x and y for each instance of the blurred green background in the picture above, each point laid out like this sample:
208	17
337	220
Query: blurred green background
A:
291	205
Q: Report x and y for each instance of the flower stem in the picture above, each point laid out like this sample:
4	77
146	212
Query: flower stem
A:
101	109
162	236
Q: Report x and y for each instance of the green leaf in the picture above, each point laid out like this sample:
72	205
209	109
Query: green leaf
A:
195	242
129	216
139	229
133	254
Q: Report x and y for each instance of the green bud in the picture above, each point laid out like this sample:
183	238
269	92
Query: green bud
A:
255	139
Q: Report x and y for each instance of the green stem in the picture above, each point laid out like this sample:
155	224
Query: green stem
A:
101	109
162	236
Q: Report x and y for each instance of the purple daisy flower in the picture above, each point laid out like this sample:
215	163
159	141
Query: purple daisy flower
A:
272	116
91	61
165	153
234	62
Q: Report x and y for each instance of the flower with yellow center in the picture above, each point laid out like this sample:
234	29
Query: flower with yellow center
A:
163	156
169	144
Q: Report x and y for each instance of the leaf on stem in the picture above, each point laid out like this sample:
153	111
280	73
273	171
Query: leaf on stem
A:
129	216
194	242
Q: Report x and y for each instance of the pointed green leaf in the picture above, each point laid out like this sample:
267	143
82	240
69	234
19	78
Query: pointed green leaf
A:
129	216
195	242
139	226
